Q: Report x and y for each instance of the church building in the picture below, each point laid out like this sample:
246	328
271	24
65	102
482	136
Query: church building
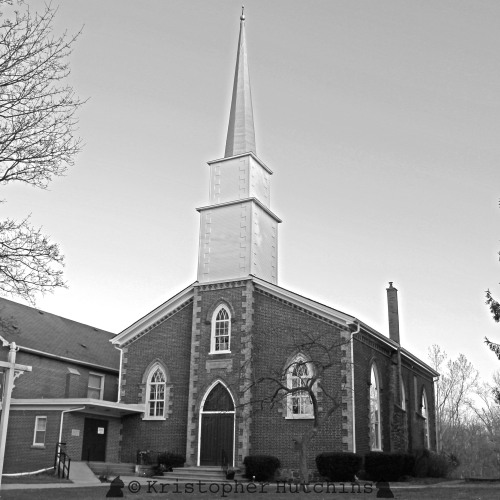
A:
212	367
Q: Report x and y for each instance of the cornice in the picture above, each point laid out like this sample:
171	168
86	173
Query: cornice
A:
250	153
237	202
338	317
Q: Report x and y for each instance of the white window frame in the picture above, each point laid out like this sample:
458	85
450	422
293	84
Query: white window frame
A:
155	368
298	399
214	336
38	419
425	415
101	387
375	414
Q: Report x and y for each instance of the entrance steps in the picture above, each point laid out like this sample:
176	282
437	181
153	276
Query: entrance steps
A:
112	469
203	473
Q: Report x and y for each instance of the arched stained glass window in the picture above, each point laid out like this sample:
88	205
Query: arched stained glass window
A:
403	394
425	414
156	393
375	426
299	404
221	330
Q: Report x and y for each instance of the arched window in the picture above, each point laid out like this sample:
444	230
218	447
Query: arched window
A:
299	404
156	393
375	431
403	394
221	330
425	414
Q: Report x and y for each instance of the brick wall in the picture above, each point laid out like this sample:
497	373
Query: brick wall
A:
397	424
73	421
207	368
20	454
170	342
76	421
279	329
51	378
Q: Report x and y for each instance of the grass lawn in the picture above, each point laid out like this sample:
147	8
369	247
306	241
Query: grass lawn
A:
484	491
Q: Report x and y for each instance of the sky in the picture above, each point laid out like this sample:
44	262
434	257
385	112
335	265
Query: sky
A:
379	119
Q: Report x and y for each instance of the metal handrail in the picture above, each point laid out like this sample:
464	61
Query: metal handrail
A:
62	462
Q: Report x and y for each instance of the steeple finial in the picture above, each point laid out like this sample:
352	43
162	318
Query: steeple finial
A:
240	132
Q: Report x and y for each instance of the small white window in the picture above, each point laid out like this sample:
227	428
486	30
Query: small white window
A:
425	414
156	392
40	431
299	404
221	330
375	430
95	388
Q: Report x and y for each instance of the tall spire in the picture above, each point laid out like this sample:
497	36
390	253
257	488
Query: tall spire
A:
241	133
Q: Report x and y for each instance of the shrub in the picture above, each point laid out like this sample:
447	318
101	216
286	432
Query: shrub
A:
263	467
439	465
170	460
338	466
388	466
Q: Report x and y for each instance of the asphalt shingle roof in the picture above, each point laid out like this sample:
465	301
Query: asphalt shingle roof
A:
35	329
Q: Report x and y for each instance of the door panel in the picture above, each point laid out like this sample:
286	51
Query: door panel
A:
95	434
216	438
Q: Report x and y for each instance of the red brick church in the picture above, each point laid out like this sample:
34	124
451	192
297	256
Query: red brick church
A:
194	361
201	374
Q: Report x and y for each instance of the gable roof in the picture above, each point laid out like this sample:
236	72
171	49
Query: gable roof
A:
331	314
35	330
312	307
155	317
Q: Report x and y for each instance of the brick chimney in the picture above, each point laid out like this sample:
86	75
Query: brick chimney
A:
392	308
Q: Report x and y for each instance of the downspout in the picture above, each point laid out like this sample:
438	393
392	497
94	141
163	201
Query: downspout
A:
119	396
62	419
61	429
437	421
351	340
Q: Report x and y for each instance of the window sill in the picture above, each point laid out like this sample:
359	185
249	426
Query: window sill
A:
153	419
211	353
299	417
38	446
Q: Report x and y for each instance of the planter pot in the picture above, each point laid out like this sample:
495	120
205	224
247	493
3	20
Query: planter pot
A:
144	470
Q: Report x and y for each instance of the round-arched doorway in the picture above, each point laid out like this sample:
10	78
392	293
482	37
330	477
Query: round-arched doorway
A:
217	427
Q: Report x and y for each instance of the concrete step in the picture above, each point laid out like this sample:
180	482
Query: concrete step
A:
112	469
204	474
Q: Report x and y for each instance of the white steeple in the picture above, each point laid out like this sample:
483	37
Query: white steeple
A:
238	231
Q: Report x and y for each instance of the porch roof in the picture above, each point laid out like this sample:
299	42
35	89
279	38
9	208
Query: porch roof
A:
78	405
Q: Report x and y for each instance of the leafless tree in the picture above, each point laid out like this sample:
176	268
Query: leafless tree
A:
301	383
454	392
37	137
488	413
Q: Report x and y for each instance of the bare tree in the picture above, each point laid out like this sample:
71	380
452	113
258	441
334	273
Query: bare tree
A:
457	384
27	260
37	137
299	384
489	415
